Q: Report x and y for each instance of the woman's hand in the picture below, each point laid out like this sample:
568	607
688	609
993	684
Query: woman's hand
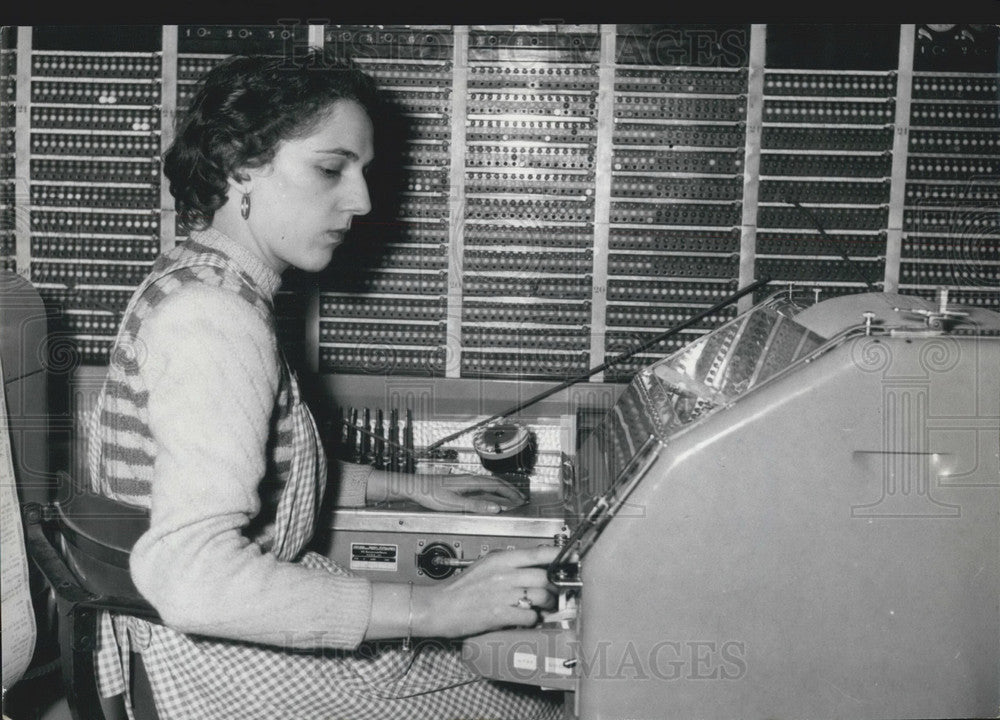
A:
446	492
488	595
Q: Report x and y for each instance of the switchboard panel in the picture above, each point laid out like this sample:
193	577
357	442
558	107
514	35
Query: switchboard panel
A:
8	189
679	131
529	177
826	159
408	232
93	139
951	216
546	198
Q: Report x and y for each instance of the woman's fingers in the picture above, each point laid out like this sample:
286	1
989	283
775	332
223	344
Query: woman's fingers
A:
504	489
504	588
479	504
488	503
525	587
454	493
534	557
450	501
536	579
534	597
484	484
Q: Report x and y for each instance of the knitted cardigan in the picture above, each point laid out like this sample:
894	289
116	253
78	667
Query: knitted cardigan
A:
188	426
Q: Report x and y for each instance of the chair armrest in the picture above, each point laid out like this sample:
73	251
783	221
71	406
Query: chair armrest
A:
79	611
67	586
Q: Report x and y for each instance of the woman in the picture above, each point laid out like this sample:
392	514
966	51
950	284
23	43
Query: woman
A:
200	420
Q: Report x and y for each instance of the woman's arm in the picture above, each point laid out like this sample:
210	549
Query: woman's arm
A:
482	597
210	364
446	492
211	370
360	484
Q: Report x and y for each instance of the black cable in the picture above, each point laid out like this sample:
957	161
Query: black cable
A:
836	244
614	361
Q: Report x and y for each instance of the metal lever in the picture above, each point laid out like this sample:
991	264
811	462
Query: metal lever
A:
440	561
942	317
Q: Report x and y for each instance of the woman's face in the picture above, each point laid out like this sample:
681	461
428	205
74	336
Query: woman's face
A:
303	201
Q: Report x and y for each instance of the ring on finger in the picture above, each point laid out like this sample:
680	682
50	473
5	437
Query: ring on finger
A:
524	601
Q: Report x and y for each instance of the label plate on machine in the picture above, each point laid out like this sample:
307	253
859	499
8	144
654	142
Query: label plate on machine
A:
375	556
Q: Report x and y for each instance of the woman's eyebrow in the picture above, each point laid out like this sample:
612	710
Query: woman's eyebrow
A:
349	154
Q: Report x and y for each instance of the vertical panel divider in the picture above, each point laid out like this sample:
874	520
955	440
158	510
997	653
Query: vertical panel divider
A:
168	122
604	155
900	148
22	154
456	202
751	161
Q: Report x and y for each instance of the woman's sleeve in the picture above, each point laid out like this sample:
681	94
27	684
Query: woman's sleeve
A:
210	365
352	483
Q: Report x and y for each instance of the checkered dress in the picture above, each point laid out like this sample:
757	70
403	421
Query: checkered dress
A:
200	678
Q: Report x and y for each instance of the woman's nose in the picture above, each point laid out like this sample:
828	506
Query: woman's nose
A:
359	201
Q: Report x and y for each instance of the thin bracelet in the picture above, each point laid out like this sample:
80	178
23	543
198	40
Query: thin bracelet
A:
409	621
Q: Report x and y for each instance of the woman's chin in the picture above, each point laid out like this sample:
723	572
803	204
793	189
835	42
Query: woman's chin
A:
316	261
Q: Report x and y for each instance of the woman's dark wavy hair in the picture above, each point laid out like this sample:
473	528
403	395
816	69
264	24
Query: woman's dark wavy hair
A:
242	110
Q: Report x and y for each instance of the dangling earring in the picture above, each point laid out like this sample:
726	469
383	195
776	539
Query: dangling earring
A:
245	206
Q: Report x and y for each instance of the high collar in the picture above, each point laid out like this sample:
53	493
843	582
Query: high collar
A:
260	272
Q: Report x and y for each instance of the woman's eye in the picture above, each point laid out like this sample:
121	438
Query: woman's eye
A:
331	172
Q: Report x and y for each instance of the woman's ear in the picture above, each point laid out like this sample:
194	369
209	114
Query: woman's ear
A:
241	182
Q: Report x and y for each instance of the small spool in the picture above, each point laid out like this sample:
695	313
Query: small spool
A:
508	450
